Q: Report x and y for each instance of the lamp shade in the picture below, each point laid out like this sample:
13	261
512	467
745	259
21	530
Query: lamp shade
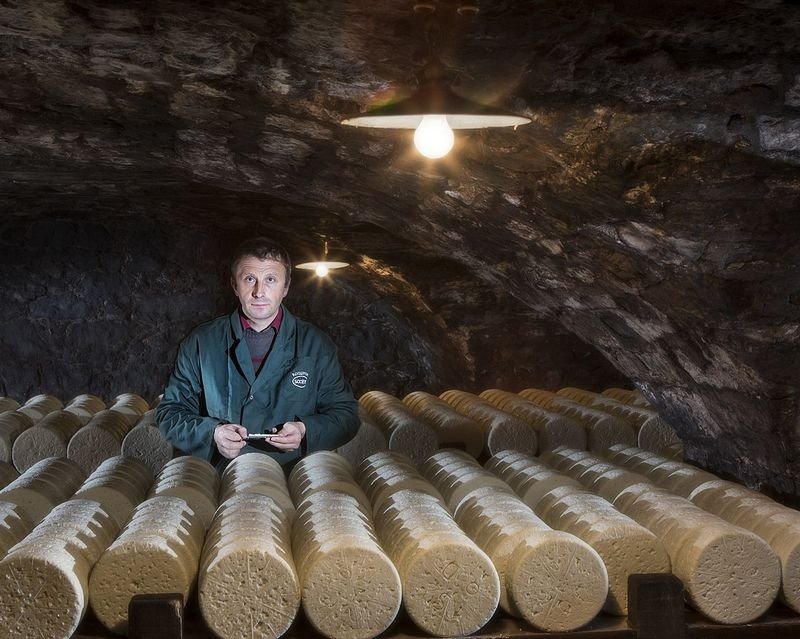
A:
434	98
324	266
313	266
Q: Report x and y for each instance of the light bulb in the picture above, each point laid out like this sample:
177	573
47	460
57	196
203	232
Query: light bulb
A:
434	138
321	270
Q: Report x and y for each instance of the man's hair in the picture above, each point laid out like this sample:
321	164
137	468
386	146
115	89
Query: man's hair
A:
262	248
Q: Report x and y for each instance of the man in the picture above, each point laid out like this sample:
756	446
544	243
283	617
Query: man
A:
259	370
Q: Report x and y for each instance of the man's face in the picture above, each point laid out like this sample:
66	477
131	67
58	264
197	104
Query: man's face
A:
260	286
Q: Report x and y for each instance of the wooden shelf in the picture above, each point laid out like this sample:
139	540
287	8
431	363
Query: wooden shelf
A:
778	623
656	612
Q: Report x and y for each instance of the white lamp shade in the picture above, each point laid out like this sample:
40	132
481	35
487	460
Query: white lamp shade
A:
436	99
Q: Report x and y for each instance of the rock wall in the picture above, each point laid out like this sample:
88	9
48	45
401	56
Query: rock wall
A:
100	307
649	209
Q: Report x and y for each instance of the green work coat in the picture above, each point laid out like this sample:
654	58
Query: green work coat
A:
214	383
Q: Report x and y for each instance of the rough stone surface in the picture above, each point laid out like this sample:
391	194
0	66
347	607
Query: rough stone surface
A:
649	210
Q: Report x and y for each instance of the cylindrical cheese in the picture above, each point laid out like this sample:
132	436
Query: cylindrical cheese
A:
46	438
99	440
552	429
368	440
44	579
405	433
248	584
602	429
12	423
453	430
146	443
157	551
502	431
351	590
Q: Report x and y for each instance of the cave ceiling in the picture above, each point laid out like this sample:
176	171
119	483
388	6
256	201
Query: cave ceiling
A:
650	207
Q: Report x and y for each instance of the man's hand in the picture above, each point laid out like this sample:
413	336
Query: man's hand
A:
229	439
289	437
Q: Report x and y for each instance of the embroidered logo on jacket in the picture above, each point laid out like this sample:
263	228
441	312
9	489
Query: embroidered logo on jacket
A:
300	378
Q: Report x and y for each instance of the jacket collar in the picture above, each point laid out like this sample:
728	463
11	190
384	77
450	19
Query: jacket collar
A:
282	349
288	323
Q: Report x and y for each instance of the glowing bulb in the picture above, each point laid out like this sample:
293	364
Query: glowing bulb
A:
321	270
434	138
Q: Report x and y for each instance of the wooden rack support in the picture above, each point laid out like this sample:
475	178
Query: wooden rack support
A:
158	616
655	606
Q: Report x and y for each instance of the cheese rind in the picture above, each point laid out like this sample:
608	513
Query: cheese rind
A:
557	582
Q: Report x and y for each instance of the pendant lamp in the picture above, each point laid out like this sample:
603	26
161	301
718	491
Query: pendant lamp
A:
434	109
323	266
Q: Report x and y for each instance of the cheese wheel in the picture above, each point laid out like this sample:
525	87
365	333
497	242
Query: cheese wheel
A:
149	446
38	406
351	592
43	486
624	546
552	429
279	493
45	576
199	502
405	433
777	525
657	435
146	564
498	524
457	573
371	477
157	551
351	589
398	483
416	441
35	579
452	429
249	591
369	439
99	440
378	460
612	482
731	575
131	406
85	407
7	474
47	438
602	430
192	479
539	484
247	583
684	480
502	431
558	582
13	526
12	423
8	404
626	396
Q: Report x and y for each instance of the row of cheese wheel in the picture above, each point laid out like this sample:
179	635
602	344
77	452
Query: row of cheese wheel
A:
431	559
530	421
84	430
524	549
729	574
350	587
778	525
625	547
41	499
652	432
436	560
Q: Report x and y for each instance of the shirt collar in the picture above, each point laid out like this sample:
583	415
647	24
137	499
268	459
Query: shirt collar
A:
275	323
